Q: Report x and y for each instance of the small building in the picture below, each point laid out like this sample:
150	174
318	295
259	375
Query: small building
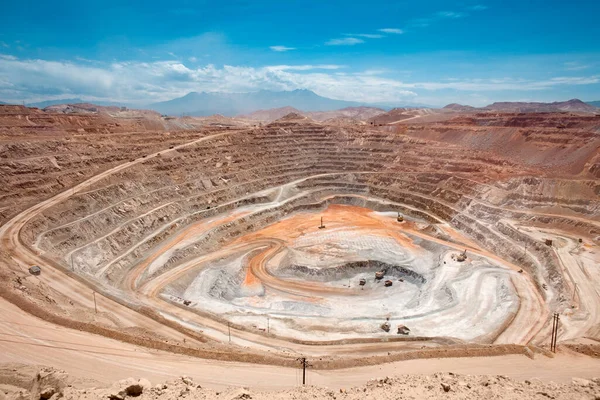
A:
379	275
35	270
388	283
548	242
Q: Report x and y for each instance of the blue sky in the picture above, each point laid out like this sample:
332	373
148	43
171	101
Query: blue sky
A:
399	52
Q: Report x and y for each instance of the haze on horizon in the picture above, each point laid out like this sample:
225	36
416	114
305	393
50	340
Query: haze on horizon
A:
433	52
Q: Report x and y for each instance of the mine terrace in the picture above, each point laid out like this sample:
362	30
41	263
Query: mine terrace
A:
439	233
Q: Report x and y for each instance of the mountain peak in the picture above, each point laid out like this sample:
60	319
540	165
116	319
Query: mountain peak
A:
230	104
573	101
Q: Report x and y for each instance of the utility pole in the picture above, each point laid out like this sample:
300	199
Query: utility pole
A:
95	306
305	365
554	335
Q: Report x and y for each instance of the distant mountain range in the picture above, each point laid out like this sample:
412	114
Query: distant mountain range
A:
48	103
230	104
574	105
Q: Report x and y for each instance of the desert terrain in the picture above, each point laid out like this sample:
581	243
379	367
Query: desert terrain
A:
373	244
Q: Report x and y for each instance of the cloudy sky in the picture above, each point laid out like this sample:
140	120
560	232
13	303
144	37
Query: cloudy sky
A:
399	52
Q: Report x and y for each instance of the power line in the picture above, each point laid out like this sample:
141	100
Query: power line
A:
60	341
120	353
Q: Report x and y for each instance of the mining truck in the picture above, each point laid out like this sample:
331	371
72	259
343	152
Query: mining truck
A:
403	330
386	326
35	270
388	283
379	275
462	256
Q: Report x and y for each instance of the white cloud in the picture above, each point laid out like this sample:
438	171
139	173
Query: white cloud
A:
192	59
365	35
575	66
7	57
146	82
451	14
307	67
83	59
282	48
4	44
349	41
505	84
574	80
392	30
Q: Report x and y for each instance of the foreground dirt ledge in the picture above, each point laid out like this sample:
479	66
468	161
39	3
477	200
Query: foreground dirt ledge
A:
22	382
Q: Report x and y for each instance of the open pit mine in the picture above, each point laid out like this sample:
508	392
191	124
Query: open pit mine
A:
448	234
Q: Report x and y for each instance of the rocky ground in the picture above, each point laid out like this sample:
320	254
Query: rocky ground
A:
20	382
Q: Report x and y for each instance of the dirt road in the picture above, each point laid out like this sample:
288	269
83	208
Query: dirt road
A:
28	340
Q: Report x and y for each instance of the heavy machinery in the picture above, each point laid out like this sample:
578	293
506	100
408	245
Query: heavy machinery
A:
403	330
386	326
462	256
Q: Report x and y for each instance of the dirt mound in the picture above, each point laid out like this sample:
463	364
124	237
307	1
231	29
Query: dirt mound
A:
9	109
458	107
293	116
38	382
271	114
